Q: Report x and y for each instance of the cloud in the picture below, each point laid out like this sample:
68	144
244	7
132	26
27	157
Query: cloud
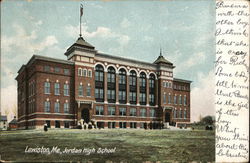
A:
125	23
202	96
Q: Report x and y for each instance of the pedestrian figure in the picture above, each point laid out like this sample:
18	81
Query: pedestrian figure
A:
45	127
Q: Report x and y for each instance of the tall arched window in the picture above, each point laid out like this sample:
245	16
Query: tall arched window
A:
142	88
151	89
111	85
132	87
122	86
99	83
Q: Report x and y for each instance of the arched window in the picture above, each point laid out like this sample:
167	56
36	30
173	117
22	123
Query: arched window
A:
111	85
151	89
132	87
142	88
79	71
99	83
122	86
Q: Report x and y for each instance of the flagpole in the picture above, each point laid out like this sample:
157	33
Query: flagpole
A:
81	13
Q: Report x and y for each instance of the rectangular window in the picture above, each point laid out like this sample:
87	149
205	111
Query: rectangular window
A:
57	89
122	79
57	107
122	124
151	99
185	100
46	68
99	110
142	98
79	72
47	87
99	93
164	98
175	99
47	106
66	124
98	76
180	100
111	110
151	83
111	124
88	91
132	80
122	95
185	114
132	97
122	111
66	71
180	114
169	98
66	107
143	112
111	78
80	90
152	113
57	70
111	94
48	123
66	89
132	124
132	112
142	82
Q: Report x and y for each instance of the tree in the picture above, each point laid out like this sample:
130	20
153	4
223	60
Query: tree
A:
207	120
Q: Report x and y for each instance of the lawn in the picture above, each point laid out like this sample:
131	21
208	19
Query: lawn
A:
121	145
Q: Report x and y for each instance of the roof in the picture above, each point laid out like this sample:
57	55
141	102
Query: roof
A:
161	59
182	80
80	42
3	118
14	121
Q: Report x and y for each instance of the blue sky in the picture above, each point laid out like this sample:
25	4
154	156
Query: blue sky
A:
137	30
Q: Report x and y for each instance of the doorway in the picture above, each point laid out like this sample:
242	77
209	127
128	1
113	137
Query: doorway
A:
167	117
85	115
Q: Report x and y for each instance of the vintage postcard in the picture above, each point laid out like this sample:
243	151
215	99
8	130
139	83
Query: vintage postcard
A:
111	81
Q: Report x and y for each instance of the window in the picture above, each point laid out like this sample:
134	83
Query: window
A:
66	89
164	98
99	110
48	123
151	81
142	98
170	85
46	68
88	91
132	78
143	112
99	73
180	100
175	99
80	90
122	96
57	89
122	111
99	93
132	112
66	71
111	75
84	72
57	107
90	73
169	98
180	114
142	80
122	76
111	95
111	110
132	97
57	124
185	100
47	87
111	124
151	99
132	124
66	124
47	106
57	70
122	124
175	113
152	113
185	114
66	107
79	71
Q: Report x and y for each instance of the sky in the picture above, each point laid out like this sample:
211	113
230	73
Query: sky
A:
132	29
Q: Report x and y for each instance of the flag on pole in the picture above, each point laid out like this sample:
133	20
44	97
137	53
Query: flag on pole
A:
81	10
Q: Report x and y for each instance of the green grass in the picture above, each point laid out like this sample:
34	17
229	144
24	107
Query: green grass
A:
131	145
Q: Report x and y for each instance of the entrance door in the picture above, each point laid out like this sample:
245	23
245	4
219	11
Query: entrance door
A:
167	117
85	115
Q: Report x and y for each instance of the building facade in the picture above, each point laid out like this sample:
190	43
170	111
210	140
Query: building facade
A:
95	88
3	122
